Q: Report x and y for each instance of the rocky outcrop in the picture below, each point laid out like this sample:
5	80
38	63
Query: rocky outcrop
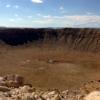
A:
4	89
71	38
11	81
27	92
95	95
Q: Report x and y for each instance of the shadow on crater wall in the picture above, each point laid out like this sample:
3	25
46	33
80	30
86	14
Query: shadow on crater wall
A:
76	38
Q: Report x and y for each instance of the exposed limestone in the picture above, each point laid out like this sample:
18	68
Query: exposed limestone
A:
27	92
93	96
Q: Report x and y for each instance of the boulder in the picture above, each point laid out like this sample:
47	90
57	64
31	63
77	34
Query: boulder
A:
50	61
4	89
12	81
93	96
28	96
26	89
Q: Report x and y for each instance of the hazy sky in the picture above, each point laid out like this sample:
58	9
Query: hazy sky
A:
50	13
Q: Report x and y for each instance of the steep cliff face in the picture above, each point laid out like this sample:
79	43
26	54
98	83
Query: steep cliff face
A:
74	38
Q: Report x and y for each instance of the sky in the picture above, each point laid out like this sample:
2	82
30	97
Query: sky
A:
50	13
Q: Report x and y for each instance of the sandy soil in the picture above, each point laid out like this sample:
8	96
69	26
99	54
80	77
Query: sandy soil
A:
50	68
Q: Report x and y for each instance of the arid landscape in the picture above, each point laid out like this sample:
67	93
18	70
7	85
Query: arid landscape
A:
48	65
49	49
64	59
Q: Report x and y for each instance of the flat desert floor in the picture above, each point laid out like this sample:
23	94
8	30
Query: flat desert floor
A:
49	67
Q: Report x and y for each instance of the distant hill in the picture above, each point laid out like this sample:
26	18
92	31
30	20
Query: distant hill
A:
74	38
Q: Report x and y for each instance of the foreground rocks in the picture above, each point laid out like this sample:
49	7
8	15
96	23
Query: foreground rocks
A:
29	93
93	96
12	87
11	81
